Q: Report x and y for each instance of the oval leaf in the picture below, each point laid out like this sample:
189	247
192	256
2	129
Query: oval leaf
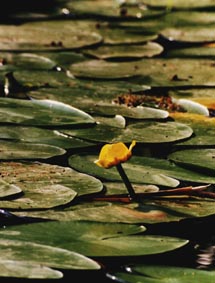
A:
94	239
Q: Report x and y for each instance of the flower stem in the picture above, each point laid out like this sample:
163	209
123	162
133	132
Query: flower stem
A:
131	192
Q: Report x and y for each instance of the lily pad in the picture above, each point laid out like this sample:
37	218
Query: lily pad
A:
148	170
205	51
107	10
184	207
202	127
189	34
41	113
159	71
44	255
168	168
46	35
94	239
148	49
40	136
119	36
13	150
45	185
92	91
26	60
140	112
107	212
156	274
197	159
143	132
136	174
24	269
7	189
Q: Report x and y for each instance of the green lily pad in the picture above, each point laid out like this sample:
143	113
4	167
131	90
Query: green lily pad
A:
203	131
184	207
44	255
168	168
36	79
94	239
113	188
186	18
24	269
92	91
159	71
7	189
41	113
136	174
27	60
118	36
140	112
148	170
109	213
148	49
189	34
193	52
143	132
46	35
197	159
160	273
13	150
44	185
107	10
100	69
152	210
40	136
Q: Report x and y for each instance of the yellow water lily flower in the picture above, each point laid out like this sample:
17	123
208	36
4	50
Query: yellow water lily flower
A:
114	154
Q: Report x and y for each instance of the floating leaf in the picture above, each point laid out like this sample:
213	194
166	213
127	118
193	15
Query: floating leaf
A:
196	159
148	49
204	134
160	273
27	60
44	255
203	51
24	269
12	150
140	112
148	170
107	10
159	71
189	34
136	174
184	207
40	136
94	239
46	35
7	189
143	132
107	212
44	185
168	168
41	113
93	92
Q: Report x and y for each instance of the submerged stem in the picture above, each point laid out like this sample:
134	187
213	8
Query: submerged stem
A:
131	192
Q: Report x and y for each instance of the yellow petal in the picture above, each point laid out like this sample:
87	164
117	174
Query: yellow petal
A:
113	154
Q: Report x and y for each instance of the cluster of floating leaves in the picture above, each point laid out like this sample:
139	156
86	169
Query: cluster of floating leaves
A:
82	73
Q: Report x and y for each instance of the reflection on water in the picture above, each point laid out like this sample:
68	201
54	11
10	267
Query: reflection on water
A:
205	257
